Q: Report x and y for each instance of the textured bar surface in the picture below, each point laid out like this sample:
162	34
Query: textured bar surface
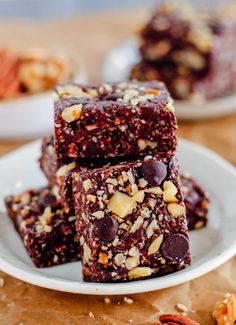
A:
114	120
196	200
131	220
195	197
48	233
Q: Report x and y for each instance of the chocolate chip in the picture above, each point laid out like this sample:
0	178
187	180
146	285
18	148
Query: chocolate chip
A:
106	228
47	199
175	247
112	97
154	172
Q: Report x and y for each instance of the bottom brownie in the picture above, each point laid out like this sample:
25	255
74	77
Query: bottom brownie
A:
196	201
48	233
131	220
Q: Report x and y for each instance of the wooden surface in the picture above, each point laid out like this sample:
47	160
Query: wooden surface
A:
21	303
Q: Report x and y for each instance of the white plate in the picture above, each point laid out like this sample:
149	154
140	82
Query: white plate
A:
210	247
117	66
32	116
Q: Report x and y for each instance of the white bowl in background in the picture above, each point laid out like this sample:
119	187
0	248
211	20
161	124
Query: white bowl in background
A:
31	116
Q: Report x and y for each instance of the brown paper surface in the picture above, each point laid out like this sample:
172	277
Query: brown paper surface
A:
22	303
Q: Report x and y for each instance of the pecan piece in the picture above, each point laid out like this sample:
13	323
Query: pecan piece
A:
225	310
174	319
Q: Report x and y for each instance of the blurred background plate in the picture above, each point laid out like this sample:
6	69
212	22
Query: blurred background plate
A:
31	116
117	66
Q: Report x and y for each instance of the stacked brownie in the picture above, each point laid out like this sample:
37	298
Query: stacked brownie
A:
190	50
113	192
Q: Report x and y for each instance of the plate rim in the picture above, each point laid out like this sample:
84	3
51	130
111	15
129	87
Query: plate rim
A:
147	285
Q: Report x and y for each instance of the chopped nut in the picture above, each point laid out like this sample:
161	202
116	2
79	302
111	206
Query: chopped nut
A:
98	214
139	196
86	253
138	222
62	171
45	218
72	113
131	262
139	272
112	181
91	127
152	203
72	91
25	198
121	204
176	210
87	184
128	300
47	228
155	245
182	308
91	198
107	300
170	106
72	218
134	251
91	315
55	258
151	228
119	259
154	190
142	144
143	182
103	258
152	144
170	191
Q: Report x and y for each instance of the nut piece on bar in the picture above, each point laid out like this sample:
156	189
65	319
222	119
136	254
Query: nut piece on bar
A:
131	220
114	120
190	50
48	233
196	201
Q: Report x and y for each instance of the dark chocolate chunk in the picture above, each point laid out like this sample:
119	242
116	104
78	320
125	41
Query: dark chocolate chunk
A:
47	199
175	247
106	228
154	172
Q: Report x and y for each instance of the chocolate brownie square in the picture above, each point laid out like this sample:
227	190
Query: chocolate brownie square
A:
48	233
131	220
129	119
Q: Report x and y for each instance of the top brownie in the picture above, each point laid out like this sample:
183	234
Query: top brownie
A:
130	119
